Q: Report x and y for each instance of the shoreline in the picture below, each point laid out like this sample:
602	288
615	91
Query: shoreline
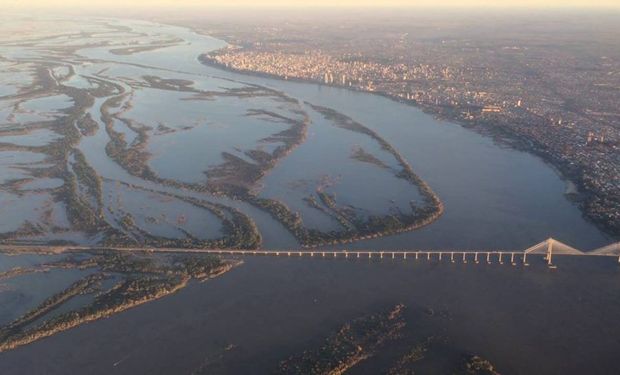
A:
574	190
139	284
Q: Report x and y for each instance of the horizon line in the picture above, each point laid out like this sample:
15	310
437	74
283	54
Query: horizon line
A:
334	6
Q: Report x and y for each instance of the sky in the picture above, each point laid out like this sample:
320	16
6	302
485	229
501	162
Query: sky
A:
307	3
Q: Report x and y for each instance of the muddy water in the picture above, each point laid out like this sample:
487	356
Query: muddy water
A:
526	321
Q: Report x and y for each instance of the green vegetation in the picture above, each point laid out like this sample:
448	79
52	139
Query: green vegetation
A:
15	328
142	279
235	175
415	354
362	155
475	365
133	159
67	263
87	125
239	231
353	343
342	215
312	202
355	227
80	213
88	176
127	222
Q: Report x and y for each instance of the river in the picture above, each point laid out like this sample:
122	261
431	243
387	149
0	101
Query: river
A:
525	320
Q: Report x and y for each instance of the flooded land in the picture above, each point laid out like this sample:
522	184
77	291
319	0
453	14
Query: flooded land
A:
114	134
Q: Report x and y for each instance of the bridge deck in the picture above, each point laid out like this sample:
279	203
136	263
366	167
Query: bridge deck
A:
464	256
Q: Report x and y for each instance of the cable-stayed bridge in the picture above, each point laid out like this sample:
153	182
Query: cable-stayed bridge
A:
550	248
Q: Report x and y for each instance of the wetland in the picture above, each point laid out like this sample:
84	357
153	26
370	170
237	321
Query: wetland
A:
113	133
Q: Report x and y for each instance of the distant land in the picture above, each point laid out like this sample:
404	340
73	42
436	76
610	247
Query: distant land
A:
547	84
200	194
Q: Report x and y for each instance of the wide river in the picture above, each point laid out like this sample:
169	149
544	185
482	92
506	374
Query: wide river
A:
525	320
495	197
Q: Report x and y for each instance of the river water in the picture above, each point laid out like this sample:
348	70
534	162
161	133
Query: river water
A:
495	197
525	320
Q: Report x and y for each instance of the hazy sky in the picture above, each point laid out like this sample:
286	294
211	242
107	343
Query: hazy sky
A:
303	3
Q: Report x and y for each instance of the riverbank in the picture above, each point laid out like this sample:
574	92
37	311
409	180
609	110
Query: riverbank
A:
580	195
272	309
120	282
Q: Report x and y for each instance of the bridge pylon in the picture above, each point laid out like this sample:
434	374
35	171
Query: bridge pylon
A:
549	255
551	247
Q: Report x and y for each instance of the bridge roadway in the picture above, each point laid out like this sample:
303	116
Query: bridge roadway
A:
501	257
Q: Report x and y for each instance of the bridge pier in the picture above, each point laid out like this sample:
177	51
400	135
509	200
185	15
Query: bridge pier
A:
549	252
502	256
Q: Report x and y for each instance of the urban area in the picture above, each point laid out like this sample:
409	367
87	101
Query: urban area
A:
558	100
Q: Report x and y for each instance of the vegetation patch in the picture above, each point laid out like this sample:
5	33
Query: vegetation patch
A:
137	278
353	343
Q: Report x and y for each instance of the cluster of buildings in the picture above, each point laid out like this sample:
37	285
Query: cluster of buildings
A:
546	108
